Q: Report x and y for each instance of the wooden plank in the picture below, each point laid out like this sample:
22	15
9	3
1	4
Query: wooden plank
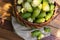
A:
3	39
9	35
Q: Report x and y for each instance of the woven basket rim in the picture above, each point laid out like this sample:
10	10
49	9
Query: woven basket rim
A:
27	23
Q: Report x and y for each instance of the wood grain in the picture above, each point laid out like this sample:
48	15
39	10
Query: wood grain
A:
9	35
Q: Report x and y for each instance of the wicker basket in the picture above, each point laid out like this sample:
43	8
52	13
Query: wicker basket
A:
30	24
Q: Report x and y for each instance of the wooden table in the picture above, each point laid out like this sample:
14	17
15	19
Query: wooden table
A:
7	31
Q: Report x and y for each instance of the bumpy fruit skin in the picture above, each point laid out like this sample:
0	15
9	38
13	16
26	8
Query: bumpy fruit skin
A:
30	19
19	9
36	12
49	15
52	7
41	15
40	36
35	33
28	7
29	1
40	6
20	1
45	5
51	1
22	10
35	3
47	29
40	20
26	15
